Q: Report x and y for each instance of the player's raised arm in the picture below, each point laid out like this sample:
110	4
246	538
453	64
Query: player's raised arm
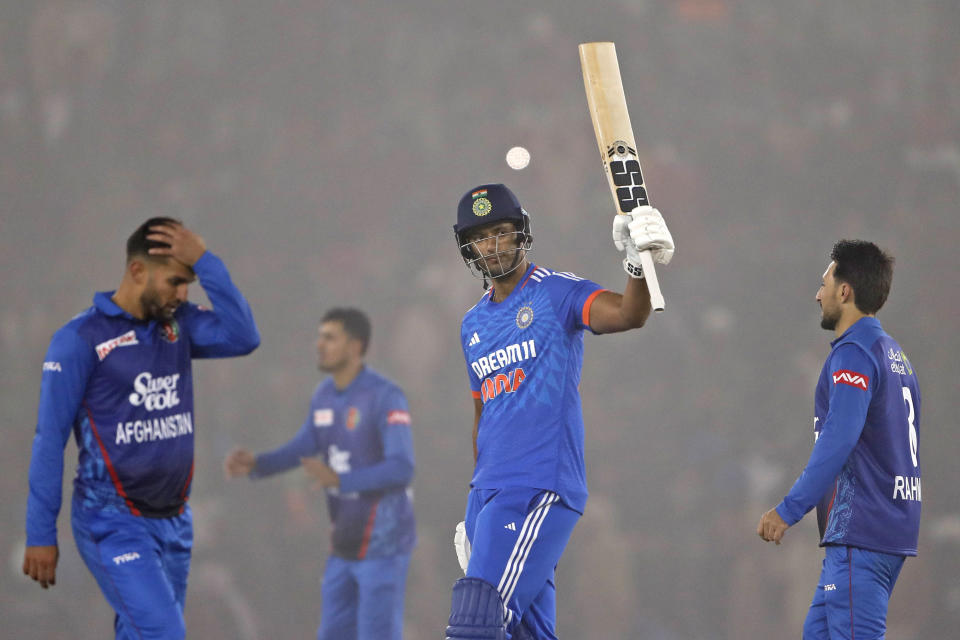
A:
229	329
633	233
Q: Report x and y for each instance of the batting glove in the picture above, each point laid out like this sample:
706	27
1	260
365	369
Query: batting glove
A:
642	230
649	233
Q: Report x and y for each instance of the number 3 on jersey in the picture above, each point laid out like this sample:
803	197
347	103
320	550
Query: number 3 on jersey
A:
908	399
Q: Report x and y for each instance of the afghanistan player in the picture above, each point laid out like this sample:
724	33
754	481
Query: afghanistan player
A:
358	426
119	376
523	344
864	472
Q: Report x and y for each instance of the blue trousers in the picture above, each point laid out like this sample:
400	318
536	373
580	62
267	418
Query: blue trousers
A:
517	536
363	599
141	565
852	596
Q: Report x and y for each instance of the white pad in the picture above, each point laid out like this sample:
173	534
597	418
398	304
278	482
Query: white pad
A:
462	546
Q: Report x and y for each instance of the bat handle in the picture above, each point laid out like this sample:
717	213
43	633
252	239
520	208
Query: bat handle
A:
653	286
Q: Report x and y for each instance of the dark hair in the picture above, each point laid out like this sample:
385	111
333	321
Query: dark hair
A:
137	244
866	268
355	323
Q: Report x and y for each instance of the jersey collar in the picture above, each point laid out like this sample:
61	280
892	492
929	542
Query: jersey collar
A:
863	324
103	301
520	285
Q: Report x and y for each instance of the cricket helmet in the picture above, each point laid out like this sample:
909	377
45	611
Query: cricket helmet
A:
486	204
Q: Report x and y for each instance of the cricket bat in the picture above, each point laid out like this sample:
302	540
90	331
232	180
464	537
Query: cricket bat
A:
618	148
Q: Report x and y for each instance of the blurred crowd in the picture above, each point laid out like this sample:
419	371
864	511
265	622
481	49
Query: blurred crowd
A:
321	147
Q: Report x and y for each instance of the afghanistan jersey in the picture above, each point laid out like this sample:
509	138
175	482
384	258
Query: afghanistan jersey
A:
124	387
363	433
864	472
524	357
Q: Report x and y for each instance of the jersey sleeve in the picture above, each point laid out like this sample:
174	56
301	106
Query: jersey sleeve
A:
853	384
229	328
287	456
396	436
572	297
69	362
472	377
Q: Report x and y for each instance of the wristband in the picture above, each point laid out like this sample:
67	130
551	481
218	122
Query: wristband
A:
633	270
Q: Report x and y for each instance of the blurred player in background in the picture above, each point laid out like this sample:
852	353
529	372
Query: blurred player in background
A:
119	376
358	427
523	344
864	472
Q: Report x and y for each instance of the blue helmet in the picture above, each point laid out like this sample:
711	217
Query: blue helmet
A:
485	204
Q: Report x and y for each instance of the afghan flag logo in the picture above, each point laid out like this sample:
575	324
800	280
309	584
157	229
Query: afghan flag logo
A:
353	418
170	331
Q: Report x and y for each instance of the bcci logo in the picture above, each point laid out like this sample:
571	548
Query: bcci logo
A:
481	206
524	317
170	331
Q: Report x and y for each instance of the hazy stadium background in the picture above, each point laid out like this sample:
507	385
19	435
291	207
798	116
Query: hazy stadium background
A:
321	147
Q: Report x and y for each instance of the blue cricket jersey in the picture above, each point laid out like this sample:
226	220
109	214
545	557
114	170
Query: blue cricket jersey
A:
363	432
124	387
524	356
864	472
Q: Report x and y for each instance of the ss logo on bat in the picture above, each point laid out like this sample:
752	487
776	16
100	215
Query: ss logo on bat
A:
627	177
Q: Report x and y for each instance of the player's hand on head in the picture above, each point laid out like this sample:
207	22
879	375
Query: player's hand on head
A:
239	462
185	245
649	232
40	563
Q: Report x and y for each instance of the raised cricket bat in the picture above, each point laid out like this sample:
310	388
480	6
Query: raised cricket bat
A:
618	149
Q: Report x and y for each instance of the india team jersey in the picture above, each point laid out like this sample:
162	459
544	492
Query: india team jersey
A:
363	432
124	387
864	472
524	356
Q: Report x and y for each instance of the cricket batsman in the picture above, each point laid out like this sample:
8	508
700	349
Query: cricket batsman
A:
523	346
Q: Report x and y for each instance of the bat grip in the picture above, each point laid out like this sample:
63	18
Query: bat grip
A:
653	286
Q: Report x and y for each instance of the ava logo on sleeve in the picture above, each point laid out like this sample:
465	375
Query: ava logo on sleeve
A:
398	416
852	378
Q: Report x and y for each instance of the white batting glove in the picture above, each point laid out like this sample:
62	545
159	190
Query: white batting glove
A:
462	546
650	233
622	241
642	230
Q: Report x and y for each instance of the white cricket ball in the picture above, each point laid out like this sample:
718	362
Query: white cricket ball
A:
518	158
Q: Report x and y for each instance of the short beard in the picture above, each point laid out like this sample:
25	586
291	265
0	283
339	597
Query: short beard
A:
828	322
498	259
152	309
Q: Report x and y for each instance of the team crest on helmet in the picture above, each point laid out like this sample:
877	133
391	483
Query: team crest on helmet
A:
170	331
524	316
481	207
353	417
